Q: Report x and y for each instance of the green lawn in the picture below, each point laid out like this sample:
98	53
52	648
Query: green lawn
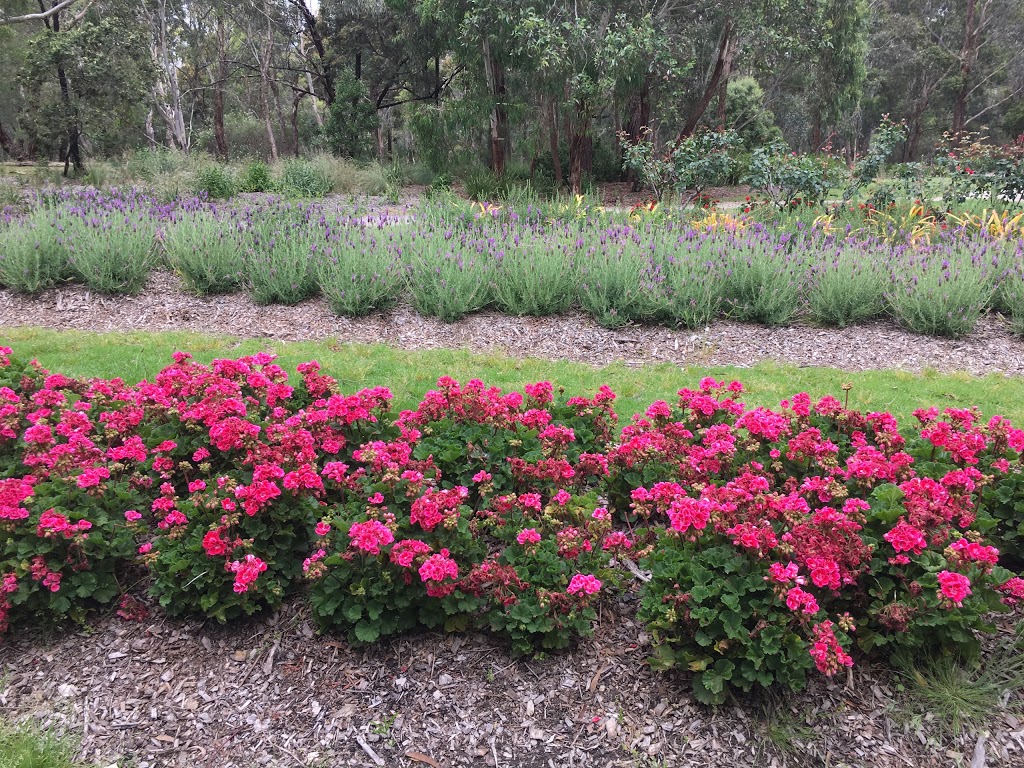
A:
134	356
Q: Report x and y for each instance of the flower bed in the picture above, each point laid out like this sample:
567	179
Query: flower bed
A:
778	541
931	277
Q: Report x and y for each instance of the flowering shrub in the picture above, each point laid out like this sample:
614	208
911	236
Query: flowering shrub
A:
787	538
481	513
779	541
241	490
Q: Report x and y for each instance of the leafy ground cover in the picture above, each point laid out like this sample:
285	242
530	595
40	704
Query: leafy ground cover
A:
931	272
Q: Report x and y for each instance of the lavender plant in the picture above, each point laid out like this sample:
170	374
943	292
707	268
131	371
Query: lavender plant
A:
357	273
31	259
449	277
849	287
206	252
279	263
940	291
763	279
534	277
617	282
113	252
692	277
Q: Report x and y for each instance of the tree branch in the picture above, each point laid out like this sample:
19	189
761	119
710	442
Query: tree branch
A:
37	16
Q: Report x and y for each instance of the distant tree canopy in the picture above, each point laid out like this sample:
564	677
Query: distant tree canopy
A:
555	87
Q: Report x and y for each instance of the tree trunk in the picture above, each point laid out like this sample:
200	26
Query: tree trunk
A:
495	74
150	134
578	143
166	92
556	160
296	101
264	63
639	105
313	30
723	84
716	75
70	152
218	90
6	144
973	25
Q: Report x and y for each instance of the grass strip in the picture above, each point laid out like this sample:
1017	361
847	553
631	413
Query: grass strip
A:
138	355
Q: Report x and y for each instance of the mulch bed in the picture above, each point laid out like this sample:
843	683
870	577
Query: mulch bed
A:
165	306
272	692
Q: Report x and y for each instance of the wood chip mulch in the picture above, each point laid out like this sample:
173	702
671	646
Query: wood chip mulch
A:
165	306
273	692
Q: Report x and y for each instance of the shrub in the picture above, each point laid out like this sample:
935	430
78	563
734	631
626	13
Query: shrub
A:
537	279
763	281
617	284
279	258
215	181
692	279
256	178
444	283
805	530
206	253
940	291
848	290
686	169
358	277
511	549
787	178
301	178
238	493
31	259
111	253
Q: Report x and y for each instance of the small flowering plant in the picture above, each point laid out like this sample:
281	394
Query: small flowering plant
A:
787	539
480	514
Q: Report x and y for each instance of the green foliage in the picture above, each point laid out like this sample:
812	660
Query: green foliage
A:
787	178
886	137
763	284
617	287
692	283
958	692
535	281
215	181
483	186
746	113
941	294
979	169
188	581
692	164
26	746
31	260
112	254
847	290
711	611
1011	291
205	253
278	261
447	285
256	178
356	278
109	70
352	118
87	565
303	179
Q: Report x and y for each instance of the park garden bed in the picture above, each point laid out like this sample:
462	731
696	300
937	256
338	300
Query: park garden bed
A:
750	549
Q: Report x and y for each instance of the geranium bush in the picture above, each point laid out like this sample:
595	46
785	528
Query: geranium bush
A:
483	512
787	539
779	541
